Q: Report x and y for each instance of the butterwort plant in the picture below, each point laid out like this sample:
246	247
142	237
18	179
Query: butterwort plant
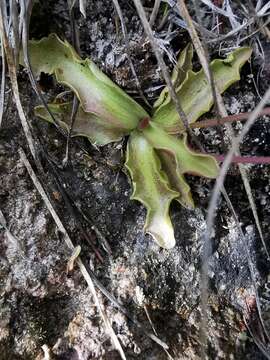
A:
157	155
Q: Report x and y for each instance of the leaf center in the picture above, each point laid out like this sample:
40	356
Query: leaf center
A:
143	123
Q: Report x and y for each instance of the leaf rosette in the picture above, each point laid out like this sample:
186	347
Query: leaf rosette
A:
158	155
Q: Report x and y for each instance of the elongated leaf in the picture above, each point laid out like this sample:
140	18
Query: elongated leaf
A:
195	92
98	95
184	64
176	179
96	129
188	161
151	187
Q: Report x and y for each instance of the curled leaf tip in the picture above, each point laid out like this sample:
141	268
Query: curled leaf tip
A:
161	229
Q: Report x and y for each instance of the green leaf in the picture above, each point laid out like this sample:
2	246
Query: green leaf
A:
195	92
177	181
178	159
188	161
98	95
179	74
151	188
97	130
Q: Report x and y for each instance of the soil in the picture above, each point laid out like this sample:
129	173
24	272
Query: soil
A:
42	304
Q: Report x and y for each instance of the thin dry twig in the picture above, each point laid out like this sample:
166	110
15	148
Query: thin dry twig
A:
83	7
218	10
25	19
14	20
75	102
165	73
202	53
74	111
223	171
200	49
14	83
244	176
263	10
117	304
260	29
71	206
154	12
264	350
232	32
125	35
69	243
3	80
154	330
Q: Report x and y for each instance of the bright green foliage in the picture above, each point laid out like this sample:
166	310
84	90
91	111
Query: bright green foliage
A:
98	95
151	187
179	160
96	129
195	92
156	158
184	64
